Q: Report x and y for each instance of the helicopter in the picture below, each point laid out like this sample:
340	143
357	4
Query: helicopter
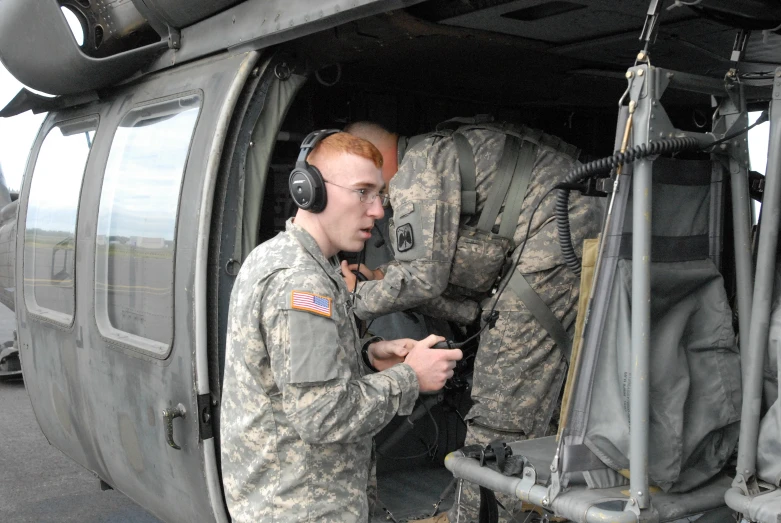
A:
163	161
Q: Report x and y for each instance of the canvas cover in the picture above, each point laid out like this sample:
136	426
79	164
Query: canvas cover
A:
695	388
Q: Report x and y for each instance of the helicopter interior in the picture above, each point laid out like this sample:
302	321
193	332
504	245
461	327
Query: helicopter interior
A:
556	66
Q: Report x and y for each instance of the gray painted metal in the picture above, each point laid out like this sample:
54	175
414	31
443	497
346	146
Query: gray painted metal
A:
256	24
735	117
38	48
181	14
526	489
201	262
641	295
753	359
764	508
98	401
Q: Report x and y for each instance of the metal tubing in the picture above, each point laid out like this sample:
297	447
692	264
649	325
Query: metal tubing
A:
470	470
741	224
641	302
737	501
641	331
753	359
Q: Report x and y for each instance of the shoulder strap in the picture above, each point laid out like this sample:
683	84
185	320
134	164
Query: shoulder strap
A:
504	176
466	166
541	312
517	192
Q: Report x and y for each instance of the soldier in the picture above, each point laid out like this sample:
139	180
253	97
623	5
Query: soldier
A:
300	403
449	252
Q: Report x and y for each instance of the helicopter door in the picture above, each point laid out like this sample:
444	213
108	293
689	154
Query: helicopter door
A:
115	215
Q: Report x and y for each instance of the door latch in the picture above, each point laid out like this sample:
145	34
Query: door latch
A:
168	416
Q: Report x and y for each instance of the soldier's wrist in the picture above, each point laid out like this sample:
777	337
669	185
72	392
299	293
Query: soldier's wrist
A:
367	358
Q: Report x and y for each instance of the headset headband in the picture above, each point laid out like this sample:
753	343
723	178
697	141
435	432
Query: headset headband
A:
310	142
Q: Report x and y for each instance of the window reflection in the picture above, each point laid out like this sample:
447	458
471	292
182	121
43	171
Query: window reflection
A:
137	223
50	229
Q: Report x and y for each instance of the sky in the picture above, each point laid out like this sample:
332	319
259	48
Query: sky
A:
16	133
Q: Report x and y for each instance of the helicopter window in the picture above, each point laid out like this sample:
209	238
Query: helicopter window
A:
134	261
50	228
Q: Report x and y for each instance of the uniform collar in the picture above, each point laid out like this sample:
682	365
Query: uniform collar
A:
331	266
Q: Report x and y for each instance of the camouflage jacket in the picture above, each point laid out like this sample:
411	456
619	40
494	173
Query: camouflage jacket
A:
299	407
426	193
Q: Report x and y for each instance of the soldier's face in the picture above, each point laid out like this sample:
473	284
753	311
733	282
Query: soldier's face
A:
347	220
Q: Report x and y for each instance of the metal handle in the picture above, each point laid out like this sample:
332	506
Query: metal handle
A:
168	416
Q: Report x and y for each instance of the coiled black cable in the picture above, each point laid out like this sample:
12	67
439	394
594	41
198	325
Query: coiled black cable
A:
604	166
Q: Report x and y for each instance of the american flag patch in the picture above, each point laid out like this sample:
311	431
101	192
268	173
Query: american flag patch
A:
306	301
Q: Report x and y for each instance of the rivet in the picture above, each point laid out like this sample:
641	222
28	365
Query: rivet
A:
640	72
629	74
641	55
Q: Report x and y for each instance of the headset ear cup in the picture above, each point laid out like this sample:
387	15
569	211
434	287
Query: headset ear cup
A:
307	188
320	194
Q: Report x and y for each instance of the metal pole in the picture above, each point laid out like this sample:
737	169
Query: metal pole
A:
753	359
741	223
641	331
641	301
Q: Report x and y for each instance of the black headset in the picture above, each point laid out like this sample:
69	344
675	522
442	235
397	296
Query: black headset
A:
306	183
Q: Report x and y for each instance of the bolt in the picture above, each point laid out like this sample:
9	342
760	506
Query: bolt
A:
214	403
641	56
778	73
640	493
545	502
528	473
629	74
640	72
206	417
723	147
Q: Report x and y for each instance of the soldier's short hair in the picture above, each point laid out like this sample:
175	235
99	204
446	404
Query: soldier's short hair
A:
340	143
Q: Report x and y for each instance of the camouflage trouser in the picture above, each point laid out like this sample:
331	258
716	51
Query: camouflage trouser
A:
519	373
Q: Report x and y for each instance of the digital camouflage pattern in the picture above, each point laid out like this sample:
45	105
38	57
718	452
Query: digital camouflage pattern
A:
518	368
519	372
426	192
299	407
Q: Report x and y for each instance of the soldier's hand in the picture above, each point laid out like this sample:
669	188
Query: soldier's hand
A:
432	366
387	353
349	278
369	274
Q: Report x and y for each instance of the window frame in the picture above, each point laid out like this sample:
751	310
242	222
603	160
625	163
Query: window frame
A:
37	311
108	332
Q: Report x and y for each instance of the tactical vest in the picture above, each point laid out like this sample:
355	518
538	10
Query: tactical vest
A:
482	254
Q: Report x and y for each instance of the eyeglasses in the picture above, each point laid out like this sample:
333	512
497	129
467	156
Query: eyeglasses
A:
366	196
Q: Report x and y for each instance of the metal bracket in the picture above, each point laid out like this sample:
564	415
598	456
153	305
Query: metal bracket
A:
205	417
749	486
174	38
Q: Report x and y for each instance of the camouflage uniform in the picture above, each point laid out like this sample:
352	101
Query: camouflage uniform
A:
518	368
299	406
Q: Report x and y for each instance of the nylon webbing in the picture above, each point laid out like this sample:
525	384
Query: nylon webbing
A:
504	175
517	192
541	312
580	458
466	167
